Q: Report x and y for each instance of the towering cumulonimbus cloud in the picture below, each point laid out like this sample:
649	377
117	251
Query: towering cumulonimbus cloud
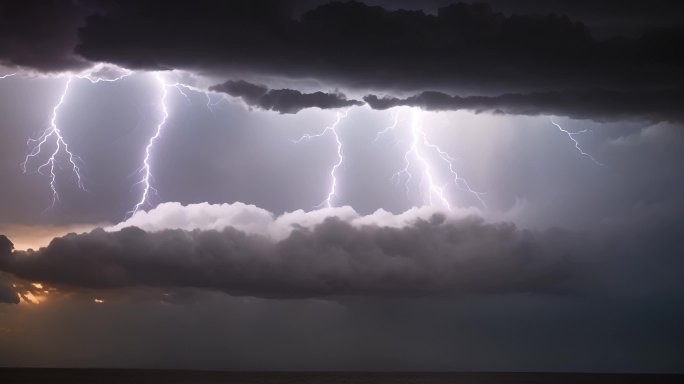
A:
331	252
283	100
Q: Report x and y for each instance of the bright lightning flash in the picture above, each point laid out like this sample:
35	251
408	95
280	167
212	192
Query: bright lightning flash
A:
436	194
328	202
181	87
572	135
146	168
53	133
388	128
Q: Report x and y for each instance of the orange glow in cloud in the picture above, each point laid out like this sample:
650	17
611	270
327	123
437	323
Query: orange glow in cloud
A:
98	301
30	298
29	236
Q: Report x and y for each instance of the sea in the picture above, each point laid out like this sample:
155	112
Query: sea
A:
134	376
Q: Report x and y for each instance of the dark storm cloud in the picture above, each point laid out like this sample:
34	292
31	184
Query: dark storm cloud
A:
283	100
40	34
469	49
7	294
464	47
604	18
594	104
333	258
6	246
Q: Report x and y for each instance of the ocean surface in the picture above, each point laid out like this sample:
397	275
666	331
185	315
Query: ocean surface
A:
131	376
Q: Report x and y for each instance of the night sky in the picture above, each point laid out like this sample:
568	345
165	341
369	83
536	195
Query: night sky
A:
324	185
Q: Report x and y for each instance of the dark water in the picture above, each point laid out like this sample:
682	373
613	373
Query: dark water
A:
125	376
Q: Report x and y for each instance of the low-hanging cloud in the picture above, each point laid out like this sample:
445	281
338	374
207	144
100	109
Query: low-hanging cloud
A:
594	104
307	254
283	100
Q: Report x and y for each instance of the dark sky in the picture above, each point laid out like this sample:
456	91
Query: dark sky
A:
509	194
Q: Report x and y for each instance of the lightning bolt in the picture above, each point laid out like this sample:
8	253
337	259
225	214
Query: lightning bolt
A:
328	202
91	74
54	135
53	131
572	135
420	143
182	88
7	75
388	128
418	137
146	168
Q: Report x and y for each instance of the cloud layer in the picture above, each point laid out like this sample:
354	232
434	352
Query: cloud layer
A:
594	104
464	47
41	34
283	100
315	254
466	56
7	294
